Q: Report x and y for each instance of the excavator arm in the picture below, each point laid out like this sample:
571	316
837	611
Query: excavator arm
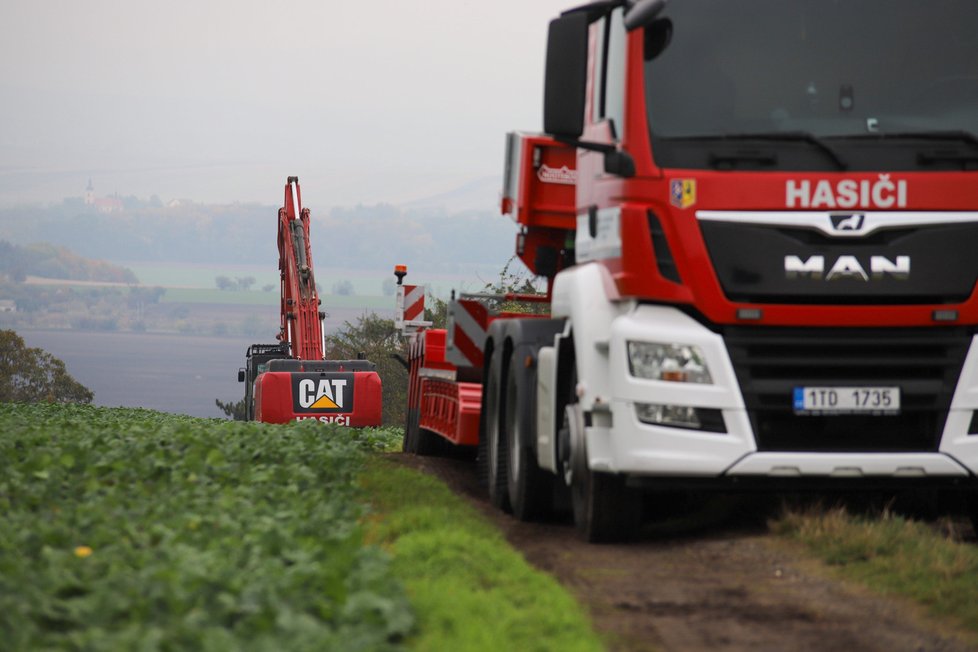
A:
302	321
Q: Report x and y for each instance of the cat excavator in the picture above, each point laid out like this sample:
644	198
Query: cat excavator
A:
292	380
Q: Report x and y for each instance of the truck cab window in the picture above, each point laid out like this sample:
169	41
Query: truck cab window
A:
839	72
608	92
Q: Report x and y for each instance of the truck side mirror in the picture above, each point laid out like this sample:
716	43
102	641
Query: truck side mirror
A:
643	12
566	76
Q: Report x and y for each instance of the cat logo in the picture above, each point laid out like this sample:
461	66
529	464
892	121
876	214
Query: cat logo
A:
682	192
322	392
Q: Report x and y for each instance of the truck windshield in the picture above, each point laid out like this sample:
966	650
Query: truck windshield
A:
817	84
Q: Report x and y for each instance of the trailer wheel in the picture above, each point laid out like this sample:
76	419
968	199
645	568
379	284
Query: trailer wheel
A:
605	509
496	457
530	488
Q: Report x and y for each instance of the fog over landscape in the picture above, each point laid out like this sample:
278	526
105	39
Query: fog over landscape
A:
219	101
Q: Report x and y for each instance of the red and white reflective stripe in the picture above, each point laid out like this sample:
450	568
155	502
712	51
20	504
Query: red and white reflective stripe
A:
413	302
466	334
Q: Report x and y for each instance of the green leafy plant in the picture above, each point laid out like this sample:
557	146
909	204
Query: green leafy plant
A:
131	529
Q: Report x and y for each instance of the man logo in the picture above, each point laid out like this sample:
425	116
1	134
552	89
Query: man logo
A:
847	267
852	222
330	393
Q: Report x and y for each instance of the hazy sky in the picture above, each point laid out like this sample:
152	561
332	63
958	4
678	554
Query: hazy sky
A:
220	100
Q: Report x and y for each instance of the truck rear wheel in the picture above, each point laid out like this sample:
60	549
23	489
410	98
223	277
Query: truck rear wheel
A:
410	444
496	453
530	488
418	440
428	443
605	509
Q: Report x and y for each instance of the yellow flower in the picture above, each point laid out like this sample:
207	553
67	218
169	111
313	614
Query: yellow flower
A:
82	552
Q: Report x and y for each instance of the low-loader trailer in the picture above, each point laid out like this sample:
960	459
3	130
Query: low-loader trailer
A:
758	225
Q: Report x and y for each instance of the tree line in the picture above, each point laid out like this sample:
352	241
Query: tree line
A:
32	375
360	237
57	262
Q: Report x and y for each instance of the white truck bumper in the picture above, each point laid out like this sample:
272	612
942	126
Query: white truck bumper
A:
618	442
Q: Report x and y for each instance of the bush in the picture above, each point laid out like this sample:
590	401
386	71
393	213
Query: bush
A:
236	410
343	288
376	338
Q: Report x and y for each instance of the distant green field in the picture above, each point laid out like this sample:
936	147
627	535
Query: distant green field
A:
367	282
215	296
253	298
201	276
364	282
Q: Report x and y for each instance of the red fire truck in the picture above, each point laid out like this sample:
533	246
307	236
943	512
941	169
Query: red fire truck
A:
758	223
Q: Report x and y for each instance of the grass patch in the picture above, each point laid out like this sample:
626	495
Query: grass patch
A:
895	556
469	588
131	529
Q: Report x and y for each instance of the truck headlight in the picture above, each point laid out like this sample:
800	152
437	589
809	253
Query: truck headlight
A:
681	363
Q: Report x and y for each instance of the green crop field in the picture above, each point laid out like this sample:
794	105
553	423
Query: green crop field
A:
129	529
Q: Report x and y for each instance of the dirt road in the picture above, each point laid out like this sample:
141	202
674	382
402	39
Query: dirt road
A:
728	586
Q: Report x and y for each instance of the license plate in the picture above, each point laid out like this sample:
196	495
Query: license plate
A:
847	400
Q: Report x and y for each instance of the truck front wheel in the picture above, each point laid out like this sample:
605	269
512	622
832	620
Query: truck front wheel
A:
605	509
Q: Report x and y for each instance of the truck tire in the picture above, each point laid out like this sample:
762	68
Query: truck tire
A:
428	443
530	489
496	453
605	509
418	440
410	444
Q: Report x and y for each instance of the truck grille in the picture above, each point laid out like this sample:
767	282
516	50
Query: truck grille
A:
924	363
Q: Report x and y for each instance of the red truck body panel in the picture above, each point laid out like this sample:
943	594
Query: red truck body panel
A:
284	396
